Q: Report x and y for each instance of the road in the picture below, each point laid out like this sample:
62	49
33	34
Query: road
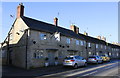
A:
107	69
110	69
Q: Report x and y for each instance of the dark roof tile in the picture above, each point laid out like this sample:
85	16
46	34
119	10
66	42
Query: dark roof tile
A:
42	26
46	27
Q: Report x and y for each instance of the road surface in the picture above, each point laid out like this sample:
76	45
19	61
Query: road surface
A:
110	70
106	70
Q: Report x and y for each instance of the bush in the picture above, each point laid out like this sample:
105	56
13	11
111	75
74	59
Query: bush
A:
56	58
46	59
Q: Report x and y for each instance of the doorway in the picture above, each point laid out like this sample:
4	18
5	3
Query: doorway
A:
51	56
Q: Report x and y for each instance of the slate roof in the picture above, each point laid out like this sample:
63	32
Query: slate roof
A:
46	27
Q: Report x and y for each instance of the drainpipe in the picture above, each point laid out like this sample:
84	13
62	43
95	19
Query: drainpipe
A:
87	48
26	31
95	49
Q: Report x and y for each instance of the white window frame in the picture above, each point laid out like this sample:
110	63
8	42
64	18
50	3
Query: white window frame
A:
77	42
84	42
81	42
89	44
96	45
43	36
90	53
68	40
105	47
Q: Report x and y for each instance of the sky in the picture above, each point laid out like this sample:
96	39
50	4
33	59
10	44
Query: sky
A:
96	18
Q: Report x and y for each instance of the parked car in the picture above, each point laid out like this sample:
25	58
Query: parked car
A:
105	58
94	59
74	61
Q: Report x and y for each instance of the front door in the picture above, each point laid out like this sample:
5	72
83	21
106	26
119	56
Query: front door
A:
51	56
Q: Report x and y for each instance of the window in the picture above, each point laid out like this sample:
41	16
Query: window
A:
77	42
101	46
68	40
38	54
90	53
89	45
96	45
110	54
117	54
105	47
43	36
82	43
97	53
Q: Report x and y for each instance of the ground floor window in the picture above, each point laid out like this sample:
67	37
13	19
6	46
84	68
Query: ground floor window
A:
117	54
38	54
90	53
97	53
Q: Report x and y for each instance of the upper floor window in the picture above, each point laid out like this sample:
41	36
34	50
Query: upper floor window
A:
77	42
68	40
89	44
82	43
105	47
112	49
43	36
96	45
101	46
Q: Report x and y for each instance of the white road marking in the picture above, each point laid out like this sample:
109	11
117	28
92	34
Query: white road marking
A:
108	67
89	70
110	72
90	73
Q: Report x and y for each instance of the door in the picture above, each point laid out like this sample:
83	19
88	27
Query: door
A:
51	56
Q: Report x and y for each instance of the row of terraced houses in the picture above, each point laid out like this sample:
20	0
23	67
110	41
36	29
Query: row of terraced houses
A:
30	42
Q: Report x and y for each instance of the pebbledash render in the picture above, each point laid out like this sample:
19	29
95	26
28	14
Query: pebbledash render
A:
31	43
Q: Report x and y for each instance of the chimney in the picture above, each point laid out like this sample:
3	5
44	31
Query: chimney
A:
74	29
85	33
77	30
56	21
103	38
99	37
20	10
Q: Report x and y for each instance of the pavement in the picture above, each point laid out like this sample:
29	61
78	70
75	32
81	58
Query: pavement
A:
10	71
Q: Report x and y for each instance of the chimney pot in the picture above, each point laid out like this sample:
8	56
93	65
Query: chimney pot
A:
74	29
103	38
56	21
99	37
85	33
